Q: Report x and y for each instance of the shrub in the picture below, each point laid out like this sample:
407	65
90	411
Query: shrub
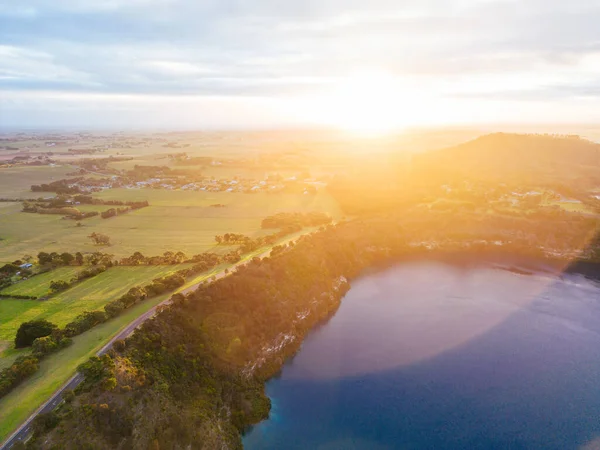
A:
84	322
30	331
58	286
20	369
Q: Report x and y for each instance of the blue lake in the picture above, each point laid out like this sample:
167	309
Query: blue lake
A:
431	356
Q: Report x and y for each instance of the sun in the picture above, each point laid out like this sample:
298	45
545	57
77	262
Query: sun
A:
368	103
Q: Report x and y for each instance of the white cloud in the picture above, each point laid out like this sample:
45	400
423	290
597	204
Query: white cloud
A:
31	65
176	68
466	50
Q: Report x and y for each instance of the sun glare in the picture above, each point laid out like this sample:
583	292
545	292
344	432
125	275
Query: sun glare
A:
369	103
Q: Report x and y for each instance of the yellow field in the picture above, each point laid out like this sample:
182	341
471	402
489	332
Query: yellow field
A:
175	221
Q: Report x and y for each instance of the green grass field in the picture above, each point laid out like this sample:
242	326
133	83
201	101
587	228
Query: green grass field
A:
39	285
58	368
91	208
571	206
15	182
88	295
176	221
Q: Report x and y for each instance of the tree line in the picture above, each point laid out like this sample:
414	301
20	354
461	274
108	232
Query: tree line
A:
66	207
296	219
45	337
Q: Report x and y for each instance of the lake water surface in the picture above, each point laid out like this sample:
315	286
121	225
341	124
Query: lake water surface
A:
431	356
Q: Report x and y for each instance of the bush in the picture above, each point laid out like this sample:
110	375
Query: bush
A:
84	322
30	331
45	422
19	297
68	395
89	273
23	367
119	345
58	286
48	344
9	269
43	345
114	308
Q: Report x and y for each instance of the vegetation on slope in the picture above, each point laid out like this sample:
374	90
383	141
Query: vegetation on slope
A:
194	376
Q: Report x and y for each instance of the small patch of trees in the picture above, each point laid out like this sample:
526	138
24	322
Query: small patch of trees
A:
167	258
118	211
55	259
99	238
9	269
231	239
49	344
60	186
58	286
84	322
30	331
88	273
81	216
296	219
19	370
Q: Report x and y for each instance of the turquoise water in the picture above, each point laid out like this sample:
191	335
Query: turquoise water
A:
430	356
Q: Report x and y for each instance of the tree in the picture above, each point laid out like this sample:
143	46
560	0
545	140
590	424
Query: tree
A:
44	345
44	258
97	368
67	258
119	345
79	258
99	238
85	321
109	383
114	308
9	269
57	286
137	258
68	395
30	331
45	421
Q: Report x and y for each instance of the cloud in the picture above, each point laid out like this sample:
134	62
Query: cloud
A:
542	50
24	66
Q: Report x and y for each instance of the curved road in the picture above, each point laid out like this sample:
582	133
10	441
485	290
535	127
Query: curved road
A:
23	432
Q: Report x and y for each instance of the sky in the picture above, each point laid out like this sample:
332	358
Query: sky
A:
209	64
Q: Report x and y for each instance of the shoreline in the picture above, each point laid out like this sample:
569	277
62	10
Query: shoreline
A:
514	263
504	260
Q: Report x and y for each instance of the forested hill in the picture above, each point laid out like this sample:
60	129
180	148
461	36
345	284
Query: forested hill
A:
531	162
513	157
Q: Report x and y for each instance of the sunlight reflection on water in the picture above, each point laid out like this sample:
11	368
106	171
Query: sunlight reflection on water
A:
411	313
426	355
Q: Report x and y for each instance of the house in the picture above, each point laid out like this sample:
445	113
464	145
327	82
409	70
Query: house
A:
26	266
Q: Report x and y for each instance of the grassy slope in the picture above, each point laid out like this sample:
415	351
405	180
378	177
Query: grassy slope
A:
39	285
58	368
89	295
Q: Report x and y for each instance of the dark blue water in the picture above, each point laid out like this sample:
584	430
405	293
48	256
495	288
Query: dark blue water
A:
428	356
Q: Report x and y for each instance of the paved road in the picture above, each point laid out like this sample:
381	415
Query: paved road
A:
23	432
